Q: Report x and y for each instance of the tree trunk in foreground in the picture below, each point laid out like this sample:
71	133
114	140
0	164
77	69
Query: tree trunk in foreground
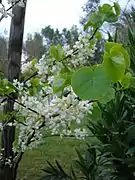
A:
8	171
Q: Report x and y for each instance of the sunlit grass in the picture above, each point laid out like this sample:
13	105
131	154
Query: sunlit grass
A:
53	148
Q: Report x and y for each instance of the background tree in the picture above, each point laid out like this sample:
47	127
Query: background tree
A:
33	46
3	51
51	36
127	21
38	44
70	36
89	7
55	37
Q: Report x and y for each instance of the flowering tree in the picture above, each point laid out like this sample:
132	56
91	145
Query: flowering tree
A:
61	89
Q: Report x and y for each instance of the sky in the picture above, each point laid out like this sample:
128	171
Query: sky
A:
57	13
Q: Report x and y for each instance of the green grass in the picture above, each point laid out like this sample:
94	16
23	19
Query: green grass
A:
53	148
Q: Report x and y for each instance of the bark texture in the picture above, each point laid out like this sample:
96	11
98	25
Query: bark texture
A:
9	172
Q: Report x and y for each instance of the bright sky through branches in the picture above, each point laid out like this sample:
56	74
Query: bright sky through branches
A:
57	13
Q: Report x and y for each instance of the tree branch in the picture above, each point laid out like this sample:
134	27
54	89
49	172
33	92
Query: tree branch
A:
12	99
33	75
9	8
93	34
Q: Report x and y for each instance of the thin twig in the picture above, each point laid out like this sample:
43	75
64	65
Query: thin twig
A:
33	75
95	31
11	98
32	110
9	9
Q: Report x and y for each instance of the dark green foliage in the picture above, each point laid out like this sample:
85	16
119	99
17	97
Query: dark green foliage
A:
116	137
112	156
55	172
114	133
126	32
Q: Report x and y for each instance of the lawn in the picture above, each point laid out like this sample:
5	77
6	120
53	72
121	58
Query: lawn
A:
53	148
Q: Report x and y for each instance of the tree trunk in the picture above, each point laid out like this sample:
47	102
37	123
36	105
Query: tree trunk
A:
8	171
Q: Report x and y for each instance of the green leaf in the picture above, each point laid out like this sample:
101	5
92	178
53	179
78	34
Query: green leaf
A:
96	20
110	18
126	81
12	87
109	45
133	82
3	117
6	87
109	15
115	65
35	81
33	62
117	8
87	25
104	13
90	83
119	48
116	60
65	70
108	95
131	150
98	35
56	52
96	113
59	84
105	8
61	81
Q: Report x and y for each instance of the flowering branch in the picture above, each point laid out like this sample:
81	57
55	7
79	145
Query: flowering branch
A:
75	52
22	104
29	141
52	112
6	10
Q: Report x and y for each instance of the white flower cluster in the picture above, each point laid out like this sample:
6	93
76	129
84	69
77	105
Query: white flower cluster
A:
58	113
80	133
47	69
25	139
26	67
85	51
18	85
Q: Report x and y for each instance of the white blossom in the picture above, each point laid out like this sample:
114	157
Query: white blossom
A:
57	112
80	133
